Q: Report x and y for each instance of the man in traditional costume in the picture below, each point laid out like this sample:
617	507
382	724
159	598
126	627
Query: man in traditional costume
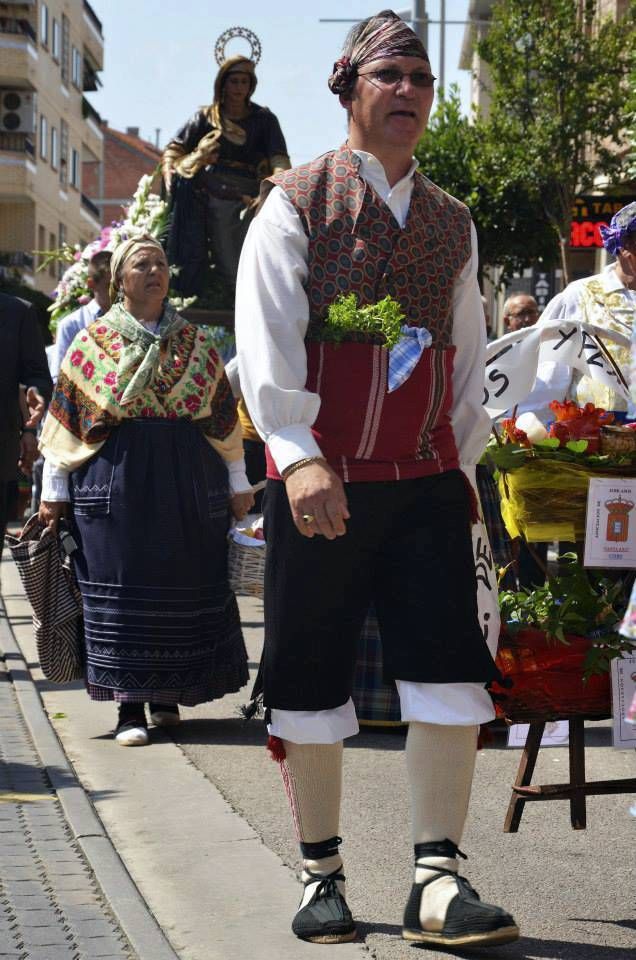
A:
213	168
366	502
608	300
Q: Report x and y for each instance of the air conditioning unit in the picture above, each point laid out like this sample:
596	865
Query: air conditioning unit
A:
17	111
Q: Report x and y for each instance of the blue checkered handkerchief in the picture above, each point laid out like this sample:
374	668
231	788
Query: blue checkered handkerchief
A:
406	353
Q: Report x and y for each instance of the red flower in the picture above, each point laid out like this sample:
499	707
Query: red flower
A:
199	378
110	378
116	346
212	354
146	412
88	370
171	415
98	389
210	368
192	402
76	357
101	356
102	329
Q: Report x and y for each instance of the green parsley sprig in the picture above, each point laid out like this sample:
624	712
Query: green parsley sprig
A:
345	317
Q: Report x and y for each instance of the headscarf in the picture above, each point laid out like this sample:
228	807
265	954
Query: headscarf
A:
385	35
621	224
207	149
142	354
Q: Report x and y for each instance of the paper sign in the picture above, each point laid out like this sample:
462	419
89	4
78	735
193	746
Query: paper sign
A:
623	690
556	734
512	360
610	529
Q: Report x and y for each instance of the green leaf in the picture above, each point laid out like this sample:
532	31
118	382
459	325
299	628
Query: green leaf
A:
577	446
549	443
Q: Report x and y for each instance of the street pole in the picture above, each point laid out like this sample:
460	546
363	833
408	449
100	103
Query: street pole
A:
420	21
442	47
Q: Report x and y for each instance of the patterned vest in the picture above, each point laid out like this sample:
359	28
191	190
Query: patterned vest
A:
356	244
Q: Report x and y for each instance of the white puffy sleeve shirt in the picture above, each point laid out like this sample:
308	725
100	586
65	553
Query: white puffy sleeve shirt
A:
272	315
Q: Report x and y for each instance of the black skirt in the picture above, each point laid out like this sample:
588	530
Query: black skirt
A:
151	513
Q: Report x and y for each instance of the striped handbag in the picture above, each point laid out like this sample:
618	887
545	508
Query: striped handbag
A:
46	572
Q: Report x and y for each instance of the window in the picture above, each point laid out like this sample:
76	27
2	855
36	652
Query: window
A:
75	168
77	68
54	148
63	153
44	25
61	237
41	244
66	49
44	137
55	39
52	246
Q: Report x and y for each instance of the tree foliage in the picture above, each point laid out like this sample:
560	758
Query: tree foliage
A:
512	229
560	86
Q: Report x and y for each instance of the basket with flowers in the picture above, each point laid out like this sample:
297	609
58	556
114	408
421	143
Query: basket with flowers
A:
544	474
557	643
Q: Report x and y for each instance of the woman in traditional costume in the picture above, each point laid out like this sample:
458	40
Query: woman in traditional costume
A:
213	169
142	439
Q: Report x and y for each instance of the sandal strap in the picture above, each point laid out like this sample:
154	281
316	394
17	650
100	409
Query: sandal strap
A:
439	848
320	850
323	878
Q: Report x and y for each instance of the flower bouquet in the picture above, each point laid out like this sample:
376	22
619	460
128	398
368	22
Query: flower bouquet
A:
544	474
146	214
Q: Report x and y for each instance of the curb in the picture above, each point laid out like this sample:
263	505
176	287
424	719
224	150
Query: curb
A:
137	922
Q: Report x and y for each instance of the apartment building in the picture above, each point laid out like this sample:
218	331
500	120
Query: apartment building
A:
51	53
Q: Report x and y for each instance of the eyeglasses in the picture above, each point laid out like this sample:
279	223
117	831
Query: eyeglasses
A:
527	312
391	77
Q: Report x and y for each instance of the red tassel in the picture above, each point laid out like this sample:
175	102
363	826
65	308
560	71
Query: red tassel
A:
276	748
472	500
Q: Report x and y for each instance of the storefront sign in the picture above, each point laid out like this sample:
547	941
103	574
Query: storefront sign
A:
588	214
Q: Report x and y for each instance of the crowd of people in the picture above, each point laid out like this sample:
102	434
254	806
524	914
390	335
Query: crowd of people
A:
370	454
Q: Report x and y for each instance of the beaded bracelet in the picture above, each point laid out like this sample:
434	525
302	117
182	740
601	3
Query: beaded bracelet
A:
293	467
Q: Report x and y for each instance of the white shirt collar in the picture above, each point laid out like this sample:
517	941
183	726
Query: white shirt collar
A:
371	169
610	279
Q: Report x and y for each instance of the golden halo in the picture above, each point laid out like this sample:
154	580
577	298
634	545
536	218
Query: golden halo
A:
224	39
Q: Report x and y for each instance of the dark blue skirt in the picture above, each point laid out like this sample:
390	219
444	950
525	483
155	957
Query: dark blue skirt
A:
151	514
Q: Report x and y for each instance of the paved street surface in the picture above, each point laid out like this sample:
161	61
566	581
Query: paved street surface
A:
201	824
50	905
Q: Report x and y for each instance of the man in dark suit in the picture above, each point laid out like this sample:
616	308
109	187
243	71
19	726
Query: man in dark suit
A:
22	363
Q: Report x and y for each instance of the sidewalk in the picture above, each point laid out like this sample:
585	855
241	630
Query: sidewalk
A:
143	833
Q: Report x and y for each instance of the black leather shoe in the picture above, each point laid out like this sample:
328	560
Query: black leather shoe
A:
326	918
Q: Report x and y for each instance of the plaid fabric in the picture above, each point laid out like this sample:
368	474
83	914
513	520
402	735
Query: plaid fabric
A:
403	357
375	701
491	509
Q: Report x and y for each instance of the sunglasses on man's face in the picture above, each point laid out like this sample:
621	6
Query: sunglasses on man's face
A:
391	77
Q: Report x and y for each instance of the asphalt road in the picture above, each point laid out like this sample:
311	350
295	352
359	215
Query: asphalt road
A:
572	892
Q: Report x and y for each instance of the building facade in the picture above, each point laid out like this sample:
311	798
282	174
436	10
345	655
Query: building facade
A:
51	53
127	158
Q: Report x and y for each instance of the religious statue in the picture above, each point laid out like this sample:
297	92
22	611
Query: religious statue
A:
212	170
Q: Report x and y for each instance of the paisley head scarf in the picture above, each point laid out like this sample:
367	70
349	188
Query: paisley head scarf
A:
384	35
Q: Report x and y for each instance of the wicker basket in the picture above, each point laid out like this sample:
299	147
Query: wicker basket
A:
617	440
246	565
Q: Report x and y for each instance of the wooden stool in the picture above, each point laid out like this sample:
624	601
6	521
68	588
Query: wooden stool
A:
575	791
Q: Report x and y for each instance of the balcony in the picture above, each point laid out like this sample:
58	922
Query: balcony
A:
92	37
18	27
18	143
18	52
18	259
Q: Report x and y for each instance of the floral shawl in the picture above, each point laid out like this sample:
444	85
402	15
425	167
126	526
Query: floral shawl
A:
189	382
